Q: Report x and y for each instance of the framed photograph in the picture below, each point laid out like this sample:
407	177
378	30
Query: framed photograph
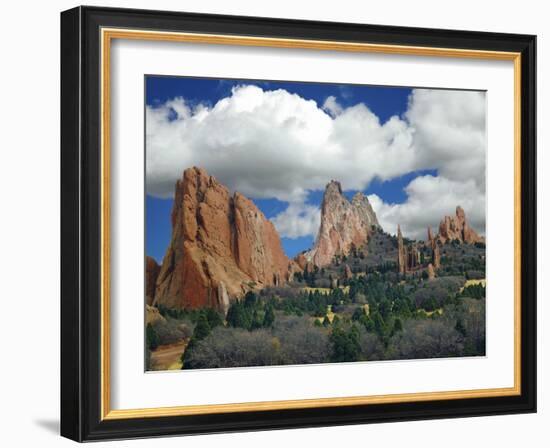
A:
273	223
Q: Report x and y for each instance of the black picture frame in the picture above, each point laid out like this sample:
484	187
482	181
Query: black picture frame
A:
81	224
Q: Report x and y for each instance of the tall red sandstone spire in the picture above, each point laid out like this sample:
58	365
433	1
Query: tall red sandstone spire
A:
344	224
434	246
401	252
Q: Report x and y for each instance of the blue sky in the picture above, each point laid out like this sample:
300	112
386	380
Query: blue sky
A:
384	102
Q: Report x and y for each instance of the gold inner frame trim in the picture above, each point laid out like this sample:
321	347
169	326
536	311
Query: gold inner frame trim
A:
107	35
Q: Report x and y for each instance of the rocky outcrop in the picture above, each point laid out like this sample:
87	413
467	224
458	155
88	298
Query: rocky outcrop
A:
408	256
401	252
457	228
347	272
221	246
434	248
152	270
436	256
152	315
344	225
431	272
413	257
301	261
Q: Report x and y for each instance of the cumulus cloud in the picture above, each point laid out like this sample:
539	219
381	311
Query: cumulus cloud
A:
298	220
449	132
430	198
275	144
332	107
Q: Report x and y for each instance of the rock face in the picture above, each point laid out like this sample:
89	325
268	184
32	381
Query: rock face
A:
457	228
344	224
152	270
222	245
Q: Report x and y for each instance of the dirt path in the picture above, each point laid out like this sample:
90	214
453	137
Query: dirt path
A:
168	357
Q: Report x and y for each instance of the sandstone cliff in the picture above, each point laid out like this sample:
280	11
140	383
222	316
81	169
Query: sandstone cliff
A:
344	224
222	245
457	228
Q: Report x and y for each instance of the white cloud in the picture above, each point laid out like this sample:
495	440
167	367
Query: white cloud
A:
429	200
332	107
298	220
274	144
449	132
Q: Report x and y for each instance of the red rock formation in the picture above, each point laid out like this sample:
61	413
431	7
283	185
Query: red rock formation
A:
431	272
152	315
347	272
344	224
408	257
152	270
434	246
401	252
436	256
430	235
293	268
222	245
301	261
413	257
457	228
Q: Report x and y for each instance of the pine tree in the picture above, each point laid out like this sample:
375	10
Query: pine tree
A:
249	299
269	317
358	313
397	326
379	324
202	329
152	338
214	318
460	327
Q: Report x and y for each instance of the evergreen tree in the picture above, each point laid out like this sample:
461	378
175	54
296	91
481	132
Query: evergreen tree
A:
358	314
385	308
379	324
269	317
345	345
238	316
202	329
152	338
397	326
369	324
214	318
460	327
250	299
